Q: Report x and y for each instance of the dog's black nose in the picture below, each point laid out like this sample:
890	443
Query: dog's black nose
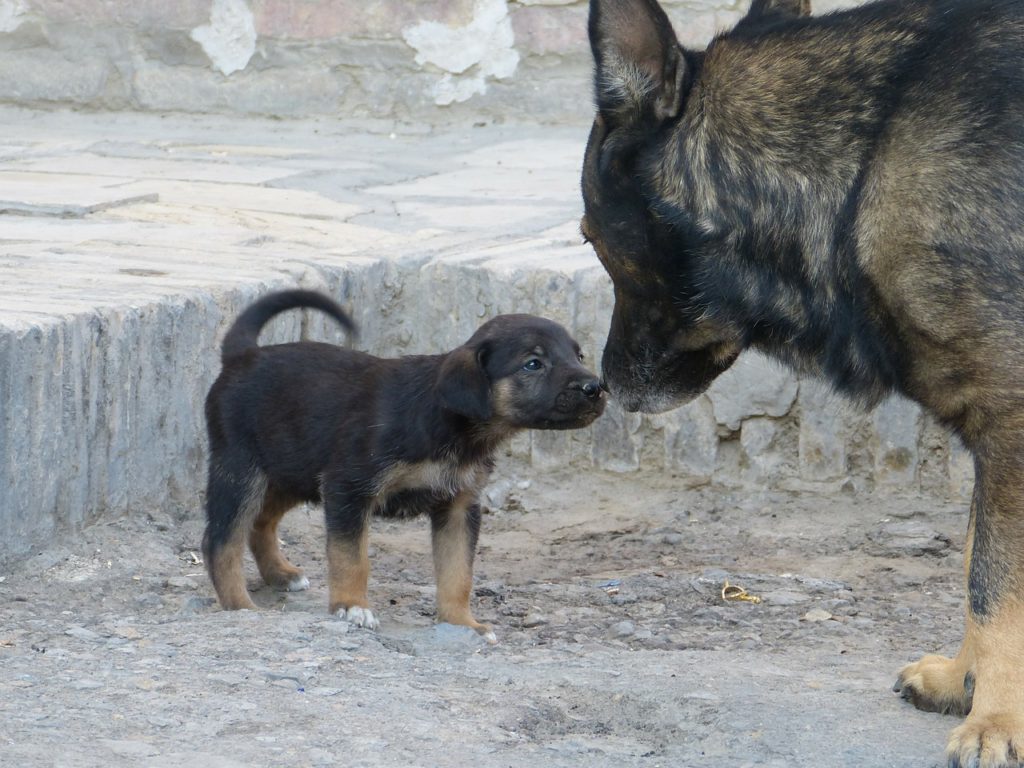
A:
592	388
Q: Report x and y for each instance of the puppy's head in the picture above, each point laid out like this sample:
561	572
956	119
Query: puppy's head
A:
521	372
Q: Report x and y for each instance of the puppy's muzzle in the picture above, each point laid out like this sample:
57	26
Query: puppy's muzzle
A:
582	395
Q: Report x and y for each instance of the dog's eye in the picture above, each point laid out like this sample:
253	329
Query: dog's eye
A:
580	356
533	364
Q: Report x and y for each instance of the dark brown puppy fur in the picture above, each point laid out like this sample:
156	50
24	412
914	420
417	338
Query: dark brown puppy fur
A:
311	422
845	193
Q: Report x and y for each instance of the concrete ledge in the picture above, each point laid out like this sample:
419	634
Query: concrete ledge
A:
110	321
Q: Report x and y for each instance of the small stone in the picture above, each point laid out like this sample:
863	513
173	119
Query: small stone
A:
335	627
784	597
181	582
534	620
195	604
128	748
672	538
149	600
816	614
81	633
623	629
86	685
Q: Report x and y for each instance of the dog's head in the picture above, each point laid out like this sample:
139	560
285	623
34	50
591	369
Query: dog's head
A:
667	340
521	372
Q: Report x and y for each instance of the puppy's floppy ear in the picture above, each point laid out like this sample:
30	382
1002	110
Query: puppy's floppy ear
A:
463	385
641	74
780	7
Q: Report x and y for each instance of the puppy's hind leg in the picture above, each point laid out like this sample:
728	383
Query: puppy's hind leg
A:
234	494
275	569
454	533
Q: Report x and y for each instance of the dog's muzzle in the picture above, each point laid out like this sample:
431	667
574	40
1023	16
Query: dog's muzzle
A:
580	396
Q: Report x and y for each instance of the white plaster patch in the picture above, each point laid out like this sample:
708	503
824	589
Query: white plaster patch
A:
12	13
230	37
468	55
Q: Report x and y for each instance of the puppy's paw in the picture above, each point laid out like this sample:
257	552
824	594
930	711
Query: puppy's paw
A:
485	631
298	583
991	741
937	684
361	617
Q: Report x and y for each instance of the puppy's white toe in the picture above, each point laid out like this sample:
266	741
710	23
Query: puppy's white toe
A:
361	617
490	637
297	584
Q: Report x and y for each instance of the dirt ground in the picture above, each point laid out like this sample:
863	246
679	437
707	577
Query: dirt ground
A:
615	646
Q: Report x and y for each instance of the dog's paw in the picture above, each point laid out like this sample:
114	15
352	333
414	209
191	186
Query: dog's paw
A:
992	741
936	684
485	631
361	617
297	583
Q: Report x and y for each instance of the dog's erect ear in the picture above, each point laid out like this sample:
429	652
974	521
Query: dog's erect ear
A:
641	74
779	7
463	384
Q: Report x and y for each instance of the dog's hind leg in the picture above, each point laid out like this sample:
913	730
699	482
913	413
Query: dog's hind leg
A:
275	569
454	533
234	494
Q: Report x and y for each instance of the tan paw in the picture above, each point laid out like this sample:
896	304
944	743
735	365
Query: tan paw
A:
992	741
937	684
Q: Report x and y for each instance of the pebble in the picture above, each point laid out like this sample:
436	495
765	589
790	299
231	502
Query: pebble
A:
785	597
86	685
81	633
816	614
182	582
623	629
534	620
195	604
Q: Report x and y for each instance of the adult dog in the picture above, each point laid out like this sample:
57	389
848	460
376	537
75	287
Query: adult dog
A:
311	422
846	194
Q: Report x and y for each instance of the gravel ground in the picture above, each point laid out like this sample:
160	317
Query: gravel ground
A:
615	646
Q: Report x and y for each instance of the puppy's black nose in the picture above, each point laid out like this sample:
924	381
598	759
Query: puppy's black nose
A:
592	388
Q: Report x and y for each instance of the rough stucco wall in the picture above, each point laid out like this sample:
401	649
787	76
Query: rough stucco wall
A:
383	58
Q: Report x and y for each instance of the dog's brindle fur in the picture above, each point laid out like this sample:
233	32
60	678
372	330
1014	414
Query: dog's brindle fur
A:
312	422
846	194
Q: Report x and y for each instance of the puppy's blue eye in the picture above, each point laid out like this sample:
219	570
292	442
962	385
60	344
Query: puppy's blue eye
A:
533	365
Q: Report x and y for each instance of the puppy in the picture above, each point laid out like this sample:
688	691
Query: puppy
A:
312	422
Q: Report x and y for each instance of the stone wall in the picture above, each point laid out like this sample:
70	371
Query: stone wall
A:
405	59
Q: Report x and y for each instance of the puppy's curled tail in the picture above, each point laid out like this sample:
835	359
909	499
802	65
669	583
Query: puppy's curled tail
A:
243	335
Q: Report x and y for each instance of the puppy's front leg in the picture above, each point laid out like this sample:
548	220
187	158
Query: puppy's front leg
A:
454	532
348	561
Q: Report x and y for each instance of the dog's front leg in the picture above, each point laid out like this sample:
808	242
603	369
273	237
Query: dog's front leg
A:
454	533
992	736
348	560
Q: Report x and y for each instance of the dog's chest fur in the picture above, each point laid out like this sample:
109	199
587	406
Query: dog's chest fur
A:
411	488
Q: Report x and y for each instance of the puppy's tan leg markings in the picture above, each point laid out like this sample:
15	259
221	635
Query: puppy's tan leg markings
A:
454	535
226	563
348	572
275	569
